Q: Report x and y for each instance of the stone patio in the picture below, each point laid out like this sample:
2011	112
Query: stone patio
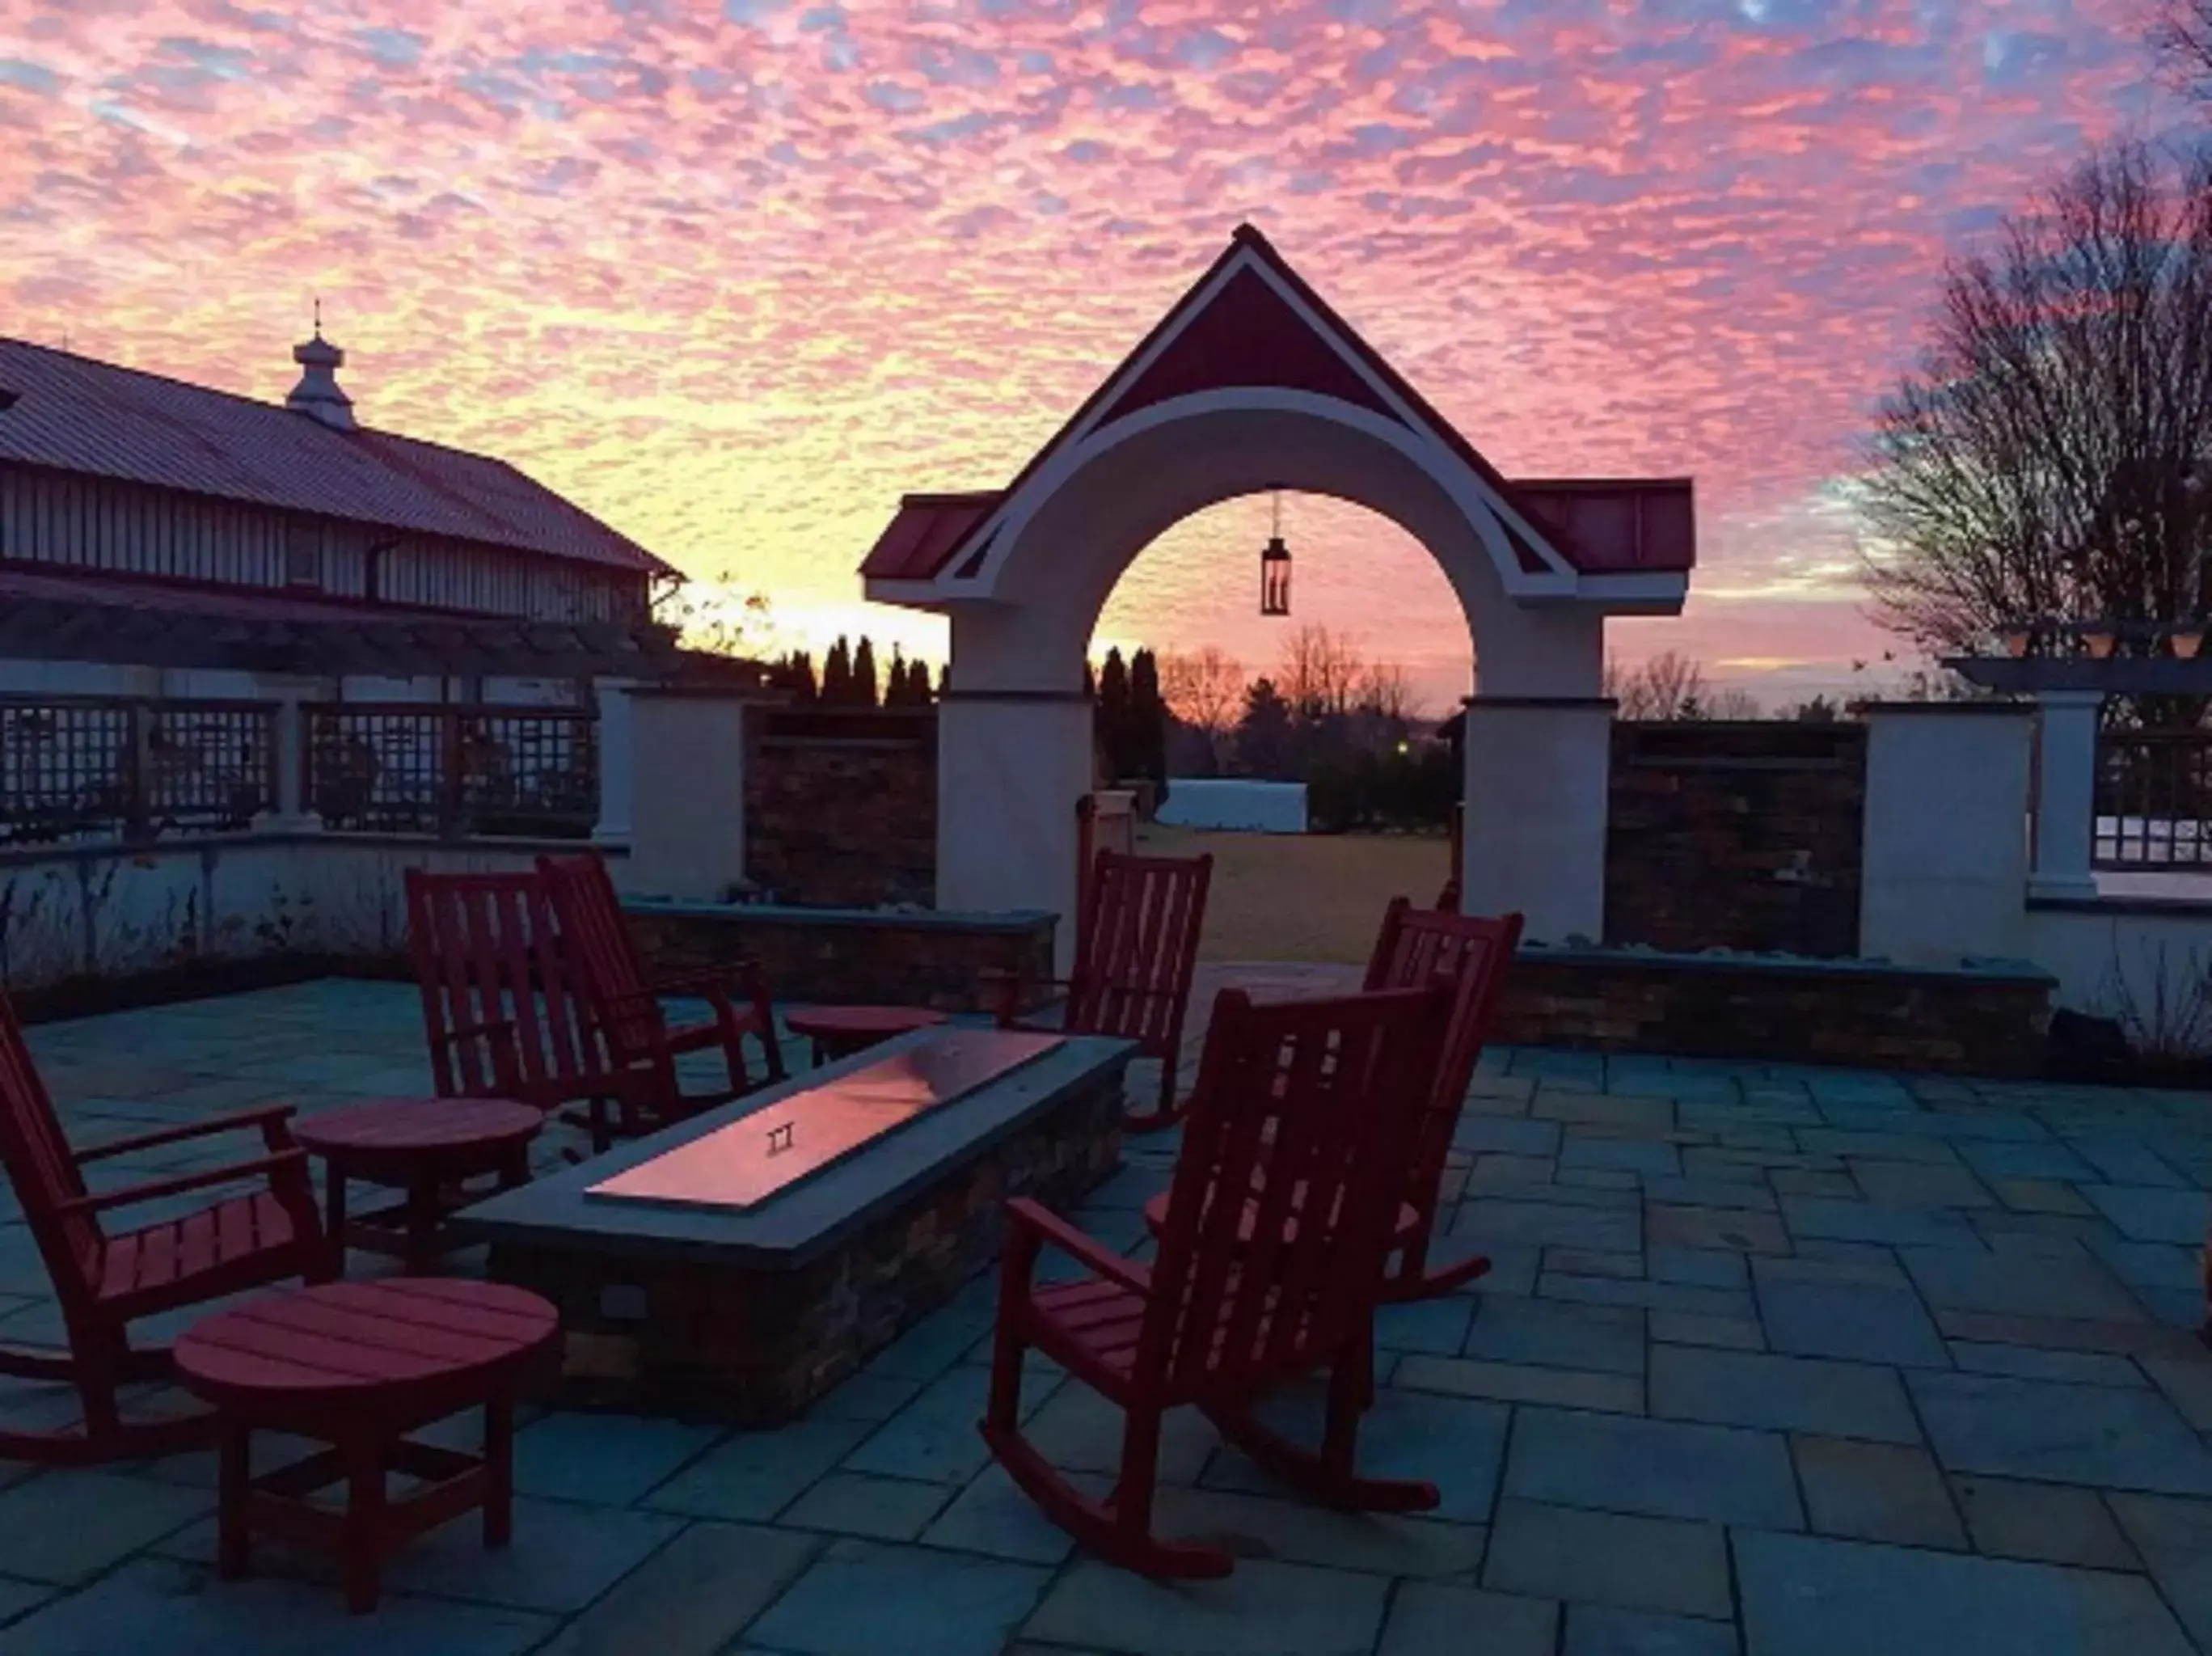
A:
1776	1362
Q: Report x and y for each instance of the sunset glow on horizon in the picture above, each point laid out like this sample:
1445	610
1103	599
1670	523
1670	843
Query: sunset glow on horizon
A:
734	276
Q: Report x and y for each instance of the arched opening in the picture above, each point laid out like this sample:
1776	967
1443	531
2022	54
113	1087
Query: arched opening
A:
1352	688
1252	382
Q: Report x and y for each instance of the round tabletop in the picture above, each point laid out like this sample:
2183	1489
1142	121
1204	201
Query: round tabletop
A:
339	1343
853	1023
413	1130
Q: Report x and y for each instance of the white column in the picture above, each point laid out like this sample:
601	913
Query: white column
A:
292	812
687	831
1538	769
1010	769
618	766
2065	793
1943	871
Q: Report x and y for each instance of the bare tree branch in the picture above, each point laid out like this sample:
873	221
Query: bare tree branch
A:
2043	458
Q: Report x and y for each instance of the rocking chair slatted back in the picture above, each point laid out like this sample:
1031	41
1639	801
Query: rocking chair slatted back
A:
1137	947
43	1169
500	1009
1416	948
590	916
1287	1186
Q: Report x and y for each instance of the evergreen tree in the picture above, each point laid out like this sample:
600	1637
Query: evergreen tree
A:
1263	735
918	693
1148	718
864	674
837	674
895	687
1110	716
943	680
798	677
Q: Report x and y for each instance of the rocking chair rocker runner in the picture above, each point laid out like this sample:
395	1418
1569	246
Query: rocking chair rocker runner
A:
625	1006
1136	950
1258	1280
106	1282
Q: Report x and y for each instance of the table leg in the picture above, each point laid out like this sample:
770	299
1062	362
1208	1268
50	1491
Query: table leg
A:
234	1481
334	1210
365	1524
421	1222
499	1464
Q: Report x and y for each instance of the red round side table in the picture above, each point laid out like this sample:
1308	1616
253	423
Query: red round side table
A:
425	1147
358	1366
839	1031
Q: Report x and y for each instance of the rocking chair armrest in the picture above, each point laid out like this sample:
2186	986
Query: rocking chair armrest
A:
284	1162
1050	1228
261	1118
1003	992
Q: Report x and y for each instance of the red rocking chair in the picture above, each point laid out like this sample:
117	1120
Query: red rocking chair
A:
106	1282
1415	948
1259	1278
625	1006
500	1010
1136	950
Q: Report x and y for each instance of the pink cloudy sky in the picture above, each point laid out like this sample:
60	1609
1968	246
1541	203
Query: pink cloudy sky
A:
736	275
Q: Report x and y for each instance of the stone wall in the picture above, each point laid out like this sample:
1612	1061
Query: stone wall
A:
1736	836
944	961
673	1335
840	805
1973	1021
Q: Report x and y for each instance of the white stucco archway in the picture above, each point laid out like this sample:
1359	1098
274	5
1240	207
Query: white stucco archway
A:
1252	383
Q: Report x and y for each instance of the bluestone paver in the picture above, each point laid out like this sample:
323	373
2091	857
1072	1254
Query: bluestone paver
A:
2070	1284
2141	1214
1876	1492
1848	1319
693	1597
1799	1394
2175	1539
1262	1609
1661	1468
2045	1523
2100	1436
1430	1619
877	1508
1663	1564
1593	1630
1605	1338
864	1598
1810	1596
755	1475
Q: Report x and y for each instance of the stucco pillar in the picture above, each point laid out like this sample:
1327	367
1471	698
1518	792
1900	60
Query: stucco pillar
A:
687	828
617	765
1943	870
2065	793
1537	773
1011	767
293	811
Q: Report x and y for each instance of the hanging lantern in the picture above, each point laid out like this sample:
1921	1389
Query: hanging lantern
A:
1276	568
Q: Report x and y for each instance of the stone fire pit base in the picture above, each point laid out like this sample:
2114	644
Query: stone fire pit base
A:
750	1318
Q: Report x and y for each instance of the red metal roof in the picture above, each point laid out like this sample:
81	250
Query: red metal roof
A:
201	602
926	532
1246	336
69	413
1618	525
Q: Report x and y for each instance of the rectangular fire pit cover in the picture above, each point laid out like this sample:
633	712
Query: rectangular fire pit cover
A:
744	1163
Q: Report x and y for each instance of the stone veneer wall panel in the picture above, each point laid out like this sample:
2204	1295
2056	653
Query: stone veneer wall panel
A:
950	962
840	805
1736	836
1987	1019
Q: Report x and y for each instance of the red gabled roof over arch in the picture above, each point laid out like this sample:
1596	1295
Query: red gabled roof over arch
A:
1244	334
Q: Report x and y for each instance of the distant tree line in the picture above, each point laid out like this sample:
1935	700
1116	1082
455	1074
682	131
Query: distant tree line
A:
848	678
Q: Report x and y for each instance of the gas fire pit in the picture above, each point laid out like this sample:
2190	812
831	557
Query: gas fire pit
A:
739	1265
